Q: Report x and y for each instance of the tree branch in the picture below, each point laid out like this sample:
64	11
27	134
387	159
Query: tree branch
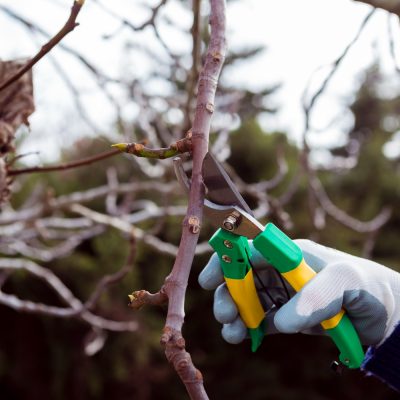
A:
68	27
176	283
62	167
181	146
74	305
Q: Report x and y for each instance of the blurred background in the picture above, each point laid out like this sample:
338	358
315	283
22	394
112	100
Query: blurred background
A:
307	124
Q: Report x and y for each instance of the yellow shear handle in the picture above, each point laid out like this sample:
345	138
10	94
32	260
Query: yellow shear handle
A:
298	277
244	294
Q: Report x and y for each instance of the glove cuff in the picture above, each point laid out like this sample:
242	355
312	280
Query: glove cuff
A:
383	361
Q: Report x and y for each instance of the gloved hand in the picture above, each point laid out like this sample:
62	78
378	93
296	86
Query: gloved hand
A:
368	291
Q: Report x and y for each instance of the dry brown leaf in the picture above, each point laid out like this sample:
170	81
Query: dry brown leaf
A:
16	105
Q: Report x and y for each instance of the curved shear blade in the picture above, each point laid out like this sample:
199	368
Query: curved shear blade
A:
221	189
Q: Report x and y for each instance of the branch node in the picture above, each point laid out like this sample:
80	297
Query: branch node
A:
166	336
217	56
184	145
210	107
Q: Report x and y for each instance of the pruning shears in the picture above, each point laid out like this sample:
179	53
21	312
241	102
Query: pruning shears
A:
227	209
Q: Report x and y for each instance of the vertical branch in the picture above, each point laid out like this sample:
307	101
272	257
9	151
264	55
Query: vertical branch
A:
196	56
176	283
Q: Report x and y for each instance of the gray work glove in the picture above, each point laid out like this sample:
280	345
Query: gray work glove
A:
369	292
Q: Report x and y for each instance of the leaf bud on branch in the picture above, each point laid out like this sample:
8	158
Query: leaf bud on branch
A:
140	150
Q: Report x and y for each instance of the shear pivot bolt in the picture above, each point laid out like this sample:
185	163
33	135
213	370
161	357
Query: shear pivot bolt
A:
226	258
230	223
228	244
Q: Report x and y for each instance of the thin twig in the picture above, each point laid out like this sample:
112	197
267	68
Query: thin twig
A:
62	167
126	22
74	305
338	214
335	65
68	27
391	43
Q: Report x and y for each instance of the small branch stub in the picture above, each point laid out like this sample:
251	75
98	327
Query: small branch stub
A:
210	107
217	56
194	224
142	297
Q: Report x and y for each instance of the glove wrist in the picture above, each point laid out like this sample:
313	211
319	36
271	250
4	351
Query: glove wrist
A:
383	361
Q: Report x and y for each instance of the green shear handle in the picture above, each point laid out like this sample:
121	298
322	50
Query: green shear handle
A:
284	255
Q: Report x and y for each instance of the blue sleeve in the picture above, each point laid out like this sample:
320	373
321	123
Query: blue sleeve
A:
384	361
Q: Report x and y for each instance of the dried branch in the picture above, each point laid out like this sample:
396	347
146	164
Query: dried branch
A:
16	105
62	167
334	67
317	193
101	78
74	307
85	196
19	245
68	27
125	227
125	22
338	214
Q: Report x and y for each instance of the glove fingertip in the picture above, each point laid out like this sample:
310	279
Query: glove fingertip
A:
211	276
231	337
235	332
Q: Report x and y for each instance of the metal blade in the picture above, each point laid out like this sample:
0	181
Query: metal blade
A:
221	189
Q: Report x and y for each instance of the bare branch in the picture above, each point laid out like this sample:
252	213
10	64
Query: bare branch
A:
62	167
391	42
125	227
68	27
338	214
83	197
176	283
335	65
75	308
126	22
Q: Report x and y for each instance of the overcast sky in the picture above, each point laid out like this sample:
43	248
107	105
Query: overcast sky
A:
301	36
